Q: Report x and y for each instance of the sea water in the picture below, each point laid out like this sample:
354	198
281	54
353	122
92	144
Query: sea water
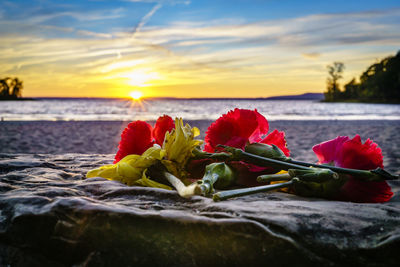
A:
189	109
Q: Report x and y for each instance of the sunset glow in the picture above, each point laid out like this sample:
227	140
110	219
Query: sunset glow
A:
141	78
191	48
136	95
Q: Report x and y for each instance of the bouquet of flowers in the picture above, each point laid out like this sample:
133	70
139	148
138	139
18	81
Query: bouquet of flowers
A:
240	157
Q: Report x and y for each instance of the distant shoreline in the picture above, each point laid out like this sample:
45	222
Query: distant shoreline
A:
155	98
355	101
274	98
307	96
18	99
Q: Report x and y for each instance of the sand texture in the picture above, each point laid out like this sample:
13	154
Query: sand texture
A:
103	136
51	216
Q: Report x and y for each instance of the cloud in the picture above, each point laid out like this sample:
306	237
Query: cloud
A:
312	55
94	34
308	31
145	19
87	15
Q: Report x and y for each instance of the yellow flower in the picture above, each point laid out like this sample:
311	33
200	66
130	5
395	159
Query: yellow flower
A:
178	145
174	155
131	168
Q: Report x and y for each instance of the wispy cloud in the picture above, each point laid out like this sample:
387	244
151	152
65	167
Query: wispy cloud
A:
94	34
312	55
36	17
145	19
311	30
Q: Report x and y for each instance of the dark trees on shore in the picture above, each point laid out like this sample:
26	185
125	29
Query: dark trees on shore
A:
379	83
335	73
10	88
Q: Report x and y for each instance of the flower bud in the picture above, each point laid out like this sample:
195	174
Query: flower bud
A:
218	175
266	151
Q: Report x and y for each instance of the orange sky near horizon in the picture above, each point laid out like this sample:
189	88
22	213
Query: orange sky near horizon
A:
165	88
301	75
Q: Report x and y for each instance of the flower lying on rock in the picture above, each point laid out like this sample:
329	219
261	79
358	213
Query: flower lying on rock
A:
348	169
340	181
138	136
168	161
352	153
242	126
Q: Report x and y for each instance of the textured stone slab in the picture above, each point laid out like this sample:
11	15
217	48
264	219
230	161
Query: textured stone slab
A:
50	216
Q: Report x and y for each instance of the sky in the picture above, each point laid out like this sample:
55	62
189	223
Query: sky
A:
190	48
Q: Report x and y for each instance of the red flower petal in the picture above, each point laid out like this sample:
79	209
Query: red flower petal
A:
329	151
356	155
237	141
252	124
277	138
262	122
164	124
135	139
220	132
246	121
365	192
236	128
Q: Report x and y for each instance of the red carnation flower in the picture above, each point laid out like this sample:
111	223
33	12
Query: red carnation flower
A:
138	136
164	124
352	153
239	127
236	129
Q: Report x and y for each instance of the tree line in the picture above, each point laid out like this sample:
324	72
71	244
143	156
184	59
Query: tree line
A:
10	88
379	83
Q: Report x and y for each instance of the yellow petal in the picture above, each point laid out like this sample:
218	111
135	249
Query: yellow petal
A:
145	181
195	131
279	182
104	171
130	168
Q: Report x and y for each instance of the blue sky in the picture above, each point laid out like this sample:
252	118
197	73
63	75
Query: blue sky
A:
191	48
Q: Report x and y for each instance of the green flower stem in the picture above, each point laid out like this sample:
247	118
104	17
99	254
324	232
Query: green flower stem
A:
238	154
374	175
198	154
274	177
250	190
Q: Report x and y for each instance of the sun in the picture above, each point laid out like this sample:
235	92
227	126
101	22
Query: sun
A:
136	95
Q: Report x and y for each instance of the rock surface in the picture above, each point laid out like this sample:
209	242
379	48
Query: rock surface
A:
51	216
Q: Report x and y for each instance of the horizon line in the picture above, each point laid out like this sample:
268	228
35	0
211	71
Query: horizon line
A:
279	97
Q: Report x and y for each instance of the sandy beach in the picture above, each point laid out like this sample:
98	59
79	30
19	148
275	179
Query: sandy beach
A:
102	137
